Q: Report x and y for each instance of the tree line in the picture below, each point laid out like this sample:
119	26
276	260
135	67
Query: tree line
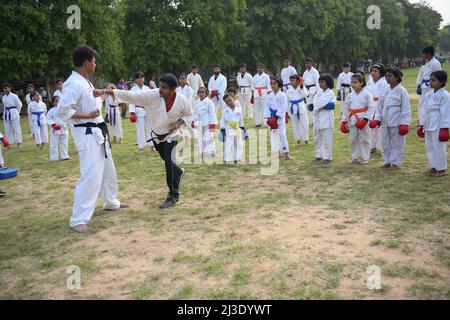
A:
158	36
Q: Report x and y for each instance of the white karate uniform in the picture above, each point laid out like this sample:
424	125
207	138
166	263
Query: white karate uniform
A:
394	110
195	82
232	121
359	139
40	130
115	118
219	85
30	118
435	116
11	116
59	139
188	93
2	161
286	73
344	83
261	87
376	89
204	115
57	93
423	78
311	78
143	124
98	173
323	124
296	99
276	105
245	84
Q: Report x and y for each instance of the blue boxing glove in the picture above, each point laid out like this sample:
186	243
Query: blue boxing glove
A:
419	90
329	106
311	107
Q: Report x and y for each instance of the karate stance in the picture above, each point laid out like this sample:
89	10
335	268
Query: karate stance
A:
296	98
11	115
38	110
217	87
230	126
261	87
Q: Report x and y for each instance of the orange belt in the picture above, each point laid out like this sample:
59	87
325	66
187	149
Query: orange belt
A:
354	112
260	89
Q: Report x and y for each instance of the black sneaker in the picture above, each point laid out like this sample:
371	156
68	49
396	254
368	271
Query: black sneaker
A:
2	194
169	202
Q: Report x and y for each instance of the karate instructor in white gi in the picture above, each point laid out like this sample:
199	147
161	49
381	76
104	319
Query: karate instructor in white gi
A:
79	107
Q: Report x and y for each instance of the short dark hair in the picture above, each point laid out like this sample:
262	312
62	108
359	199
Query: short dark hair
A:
194	66
346	64
203	88
309	60
278	81
6	85
232	90
328	79
294	76
139	75
380	68
287	58
396	72
226	96
182	75
53	100
242	65
360	78
35	92
170	79
429	50
260	65
81	54
58	81
217	66
441	76
30	85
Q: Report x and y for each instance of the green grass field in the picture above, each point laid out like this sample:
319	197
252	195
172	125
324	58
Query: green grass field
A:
310	232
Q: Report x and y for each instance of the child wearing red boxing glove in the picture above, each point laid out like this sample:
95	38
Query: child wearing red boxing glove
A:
357	110
435	123
205	121
394	115
4	143
59	134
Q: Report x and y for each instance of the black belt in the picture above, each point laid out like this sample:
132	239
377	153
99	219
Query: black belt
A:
346	85
310	86
102	126
160	137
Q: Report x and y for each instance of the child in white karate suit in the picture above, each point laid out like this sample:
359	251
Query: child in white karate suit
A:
296	98
357	111
394	115
4	143
344	84
38	110
435	123
231	125
205	120
324	105
59	134
114	117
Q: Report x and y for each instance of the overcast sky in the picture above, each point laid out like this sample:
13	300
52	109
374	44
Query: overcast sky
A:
441	6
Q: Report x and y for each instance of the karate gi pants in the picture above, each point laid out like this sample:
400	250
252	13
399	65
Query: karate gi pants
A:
278	139
40	133
233	147
13	131
324	143
393	146
167	152
115	128
436	150
59	146
98	176
300	127
360	143
259	110
143	132
2	161
30	120
375	138
244	100
206	142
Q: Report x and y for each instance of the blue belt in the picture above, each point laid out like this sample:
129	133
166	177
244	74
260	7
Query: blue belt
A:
273	112
286	86
8	113
297	103
111	118
426	82
38	114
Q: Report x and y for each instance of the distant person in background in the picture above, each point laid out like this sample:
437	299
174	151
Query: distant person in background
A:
217	87
123	86
205	120
423	79
58	91
296	98
231	127
344	84
311	76
286	73
261	88
38	110
115	120
184	89
195	81
435	123
11	115
152	84
245	83
59	134
28	100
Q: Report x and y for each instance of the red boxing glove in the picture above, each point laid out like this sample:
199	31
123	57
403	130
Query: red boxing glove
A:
5	142
212	127
213	93
403	129
287	118
252	100
133	117
302	82
344	128
193	124
420	132
361	124
444	135
374	123
56	127
272	122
